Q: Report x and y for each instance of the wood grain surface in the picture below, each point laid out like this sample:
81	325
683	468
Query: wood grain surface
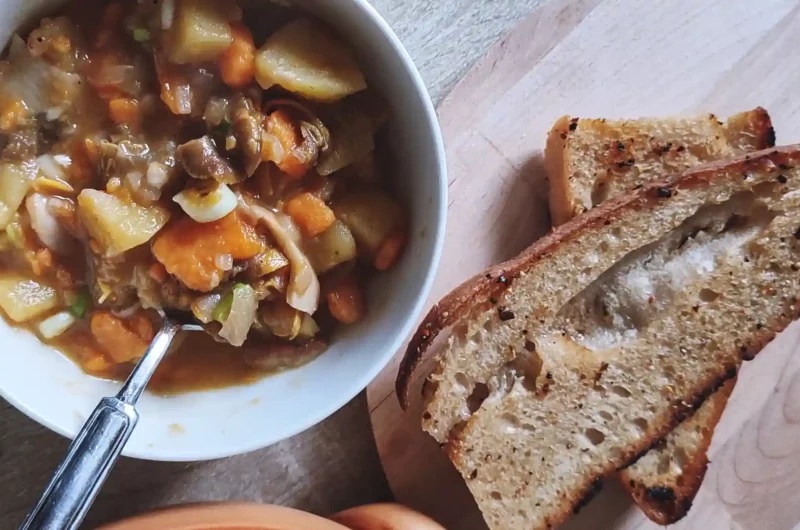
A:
331	466
616	59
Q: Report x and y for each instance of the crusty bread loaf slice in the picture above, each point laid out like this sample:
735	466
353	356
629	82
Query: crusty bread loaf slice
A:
666	479
570	361
663	484
591	160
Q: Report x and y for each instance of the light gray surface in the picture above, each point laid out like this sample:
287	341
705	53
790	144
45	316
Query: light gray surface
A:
330	467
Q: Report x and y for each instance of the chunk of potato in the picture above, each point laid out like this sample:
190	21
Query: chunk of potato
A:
15	181
334	246
306	58
370	216
200	32
119	225
23	299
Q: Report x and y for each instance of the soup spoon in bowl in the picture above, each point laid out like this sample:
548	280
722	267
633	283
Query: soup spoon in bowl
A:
96	448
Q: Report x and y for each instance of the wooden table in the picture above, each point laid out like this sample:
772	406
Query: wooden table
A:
330	467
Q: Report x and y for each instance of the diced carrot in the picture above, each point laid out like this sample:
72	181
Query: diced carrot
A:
237	62
125	111
391	249
310	213
346	301
142	326
13	111
118	341
96	364
189	250
287	132
158	272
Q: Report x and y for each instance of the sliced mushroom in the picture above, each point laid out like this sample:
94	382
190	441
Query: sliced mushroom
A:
246	124
316	136
201	160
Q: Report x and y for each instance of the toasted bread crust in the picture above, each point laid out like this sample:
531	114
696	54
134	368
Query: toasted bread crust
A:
666	500
481	287
589	160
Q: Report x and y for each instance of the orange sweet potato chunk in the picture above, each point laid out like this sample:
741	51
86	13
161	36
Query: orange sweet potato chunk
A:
189	250
118	341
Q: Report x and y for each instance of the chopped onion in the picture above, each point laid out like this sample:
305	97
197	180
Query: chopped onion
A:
127	312
206	204
167	13
63	160
203	307
216	110
50	168
183	99
113	75
241	316
224	262
141	189
53	113
157	175
49	231
55	325
304	289
32	79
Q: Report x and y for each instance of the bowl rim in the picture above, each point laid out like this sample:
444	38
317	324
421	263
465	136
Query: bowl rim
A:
411	318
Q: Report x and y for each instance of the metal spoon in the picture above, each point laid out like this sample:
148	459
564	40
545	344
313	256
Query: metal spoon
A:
94	451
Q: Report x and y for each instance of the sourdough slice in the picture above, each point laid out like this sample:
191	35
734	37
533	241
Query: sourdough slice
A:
666	479
591	160
663	485
570	361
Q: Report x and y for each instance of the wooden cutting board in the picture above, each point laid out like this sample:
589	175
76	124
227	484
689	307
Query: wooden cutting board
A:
616	59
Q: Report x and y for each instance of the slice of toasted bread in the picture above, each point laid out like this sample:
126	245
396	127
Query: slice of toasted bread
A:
666	479
570	361
656	145
603	158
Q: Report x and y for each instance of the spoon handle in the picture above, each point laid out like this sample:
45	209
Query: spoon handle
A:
95	449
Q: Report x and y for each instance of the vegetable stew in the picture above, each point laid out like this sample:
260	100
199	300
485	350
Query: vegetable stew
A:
187	157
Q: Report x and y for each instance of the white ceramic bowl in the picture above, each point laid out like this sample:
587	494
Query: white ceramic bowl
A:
204	425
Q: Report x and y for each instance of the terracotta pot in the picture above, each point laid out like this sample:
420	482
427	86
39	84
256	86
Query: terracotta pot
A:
242	516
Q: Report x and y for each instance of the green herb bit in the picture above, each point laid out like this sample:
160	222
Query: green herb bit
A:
141	34
223	307
82	303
